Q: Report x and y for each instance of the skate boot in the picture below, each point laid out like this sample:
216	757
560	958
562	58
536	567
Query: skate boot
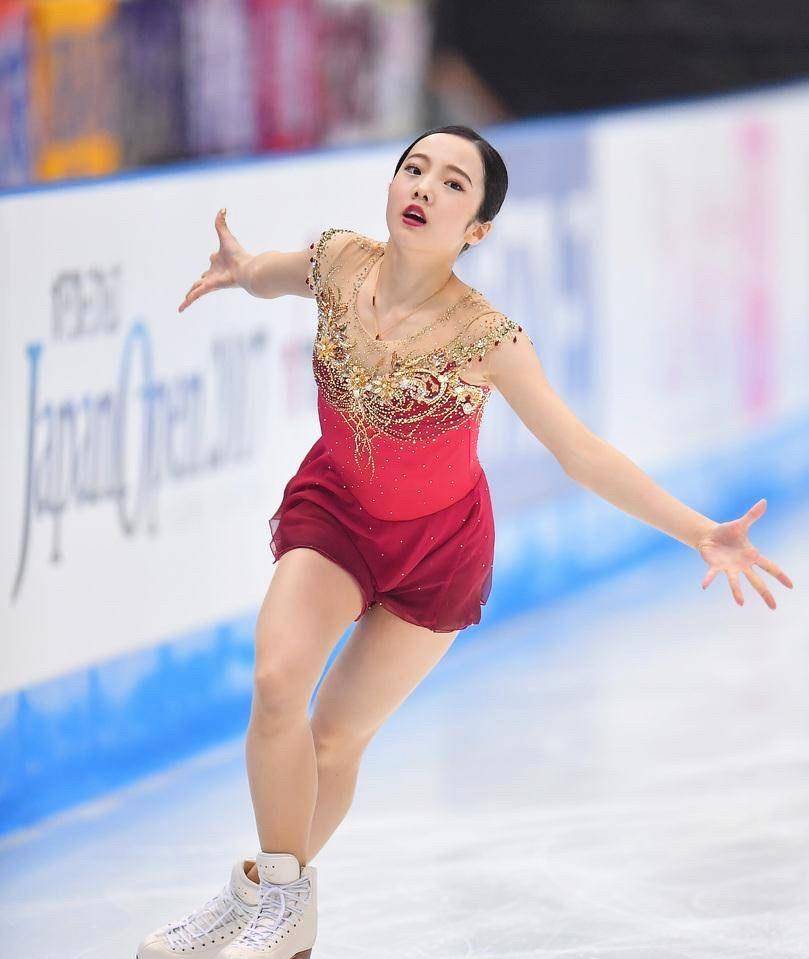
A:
285	924
207	930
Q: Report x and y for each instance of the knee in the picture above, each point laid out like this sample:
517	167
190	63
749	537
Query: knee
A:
337	743
279	694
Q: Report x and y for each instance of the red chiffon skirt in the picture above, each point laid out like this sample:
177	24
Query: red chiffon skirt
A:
434	570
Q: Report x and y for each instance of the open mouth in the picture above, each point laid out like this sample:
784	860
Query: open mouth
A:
414	215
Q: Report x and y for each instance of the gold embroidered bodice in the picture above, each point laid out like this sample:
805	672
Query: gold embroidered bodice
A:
405	390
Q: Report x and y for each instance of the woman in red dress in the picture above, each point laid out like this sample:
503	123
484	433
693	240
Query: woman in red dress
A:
387	520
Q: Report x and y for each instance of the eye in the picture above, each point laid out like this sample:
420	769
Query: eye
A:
413	166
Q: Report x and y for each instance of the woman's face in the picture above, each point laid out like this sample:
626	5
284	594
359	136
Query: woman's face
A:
442	174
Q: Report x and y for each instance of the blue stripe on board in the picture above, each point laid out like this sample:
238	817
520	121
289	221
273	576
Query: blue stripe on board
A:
79	735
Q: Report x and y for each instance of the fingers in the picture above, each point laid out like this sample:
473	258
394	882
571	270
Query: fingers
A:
194	293
735	588
774	570
706	582
758	585
220	224
196	284
755	512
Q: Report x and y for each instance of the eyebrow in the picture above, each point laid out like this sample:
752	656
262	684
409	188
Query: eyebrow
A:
449	166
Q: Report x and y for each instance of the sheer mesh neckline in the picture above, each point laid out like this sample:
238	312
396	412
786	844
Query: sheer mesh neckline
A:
470	293
387	351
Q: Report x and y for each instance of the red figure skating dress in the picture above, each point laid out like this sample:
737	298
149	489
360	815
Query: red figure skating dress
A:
393	490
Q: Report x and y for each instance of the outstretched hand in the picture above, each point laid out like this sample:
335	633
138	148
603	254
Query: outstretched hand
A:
727	549
225	264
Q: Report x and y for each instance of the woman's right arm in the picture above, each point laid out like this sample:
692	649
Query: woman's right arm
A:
267	275
273	274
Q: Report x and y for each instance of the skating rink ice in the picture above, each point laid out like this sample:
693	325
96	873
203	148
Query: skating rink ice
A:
621	775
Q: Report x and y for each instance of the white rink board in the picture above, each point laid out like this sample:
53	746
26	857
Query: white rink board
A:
82	270
692	239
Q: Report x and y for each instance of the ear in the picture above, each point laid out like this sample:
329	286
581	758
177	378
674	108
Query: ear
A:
476	233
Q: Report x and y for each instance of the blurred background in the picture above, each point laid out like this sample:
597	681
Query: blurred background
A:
91	87
632	748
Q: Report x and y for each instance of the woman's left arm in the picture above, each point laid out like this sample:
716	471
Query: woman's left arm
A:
515	370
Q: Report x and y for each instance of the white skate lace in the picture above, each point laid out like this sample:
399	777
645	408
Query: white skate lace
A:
279	902
217	912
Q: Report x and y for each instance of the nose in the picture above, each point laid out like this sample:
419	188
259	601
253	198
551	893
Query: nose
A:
420	191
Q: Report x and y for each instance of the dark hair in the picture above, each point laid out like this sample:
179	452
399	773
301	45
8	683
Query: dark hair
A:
495	175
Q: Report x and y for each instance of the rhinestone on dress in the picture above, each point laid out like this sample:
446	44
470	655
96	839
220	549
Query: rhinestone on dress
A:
415	394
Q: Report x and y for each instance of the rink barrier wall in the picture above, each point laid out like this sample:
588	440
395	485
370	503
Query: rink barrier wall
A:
94	728
78	736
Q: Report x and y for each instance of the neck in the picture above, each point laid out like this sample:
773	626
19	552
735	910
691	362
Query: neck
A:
406	278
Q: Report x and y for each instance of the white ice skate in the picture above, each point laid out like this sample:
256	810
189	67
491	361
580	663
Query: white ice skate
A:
285	924
206	931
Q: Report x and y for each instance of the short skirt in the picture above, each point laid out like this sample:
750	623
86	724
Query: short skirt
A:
434	571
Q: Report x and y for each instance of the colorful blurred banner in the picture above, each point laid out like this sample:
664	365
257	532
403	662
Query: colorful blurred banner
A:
286	73
217	73
90	87
347	31
15	158
75	84
403	37
153	127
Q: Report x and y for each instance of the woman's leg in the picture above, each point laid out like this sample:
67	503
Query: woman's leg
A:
309	604
382	662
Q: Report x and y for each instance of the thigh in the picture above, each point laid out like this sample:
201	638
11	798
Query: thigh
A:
381	663
309	604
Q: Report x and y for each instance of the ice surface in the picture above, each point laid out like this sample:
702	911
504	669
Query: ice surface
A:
623	775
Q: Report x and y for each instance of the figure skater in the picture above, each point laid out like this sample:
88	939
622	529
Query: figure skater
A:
388	521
